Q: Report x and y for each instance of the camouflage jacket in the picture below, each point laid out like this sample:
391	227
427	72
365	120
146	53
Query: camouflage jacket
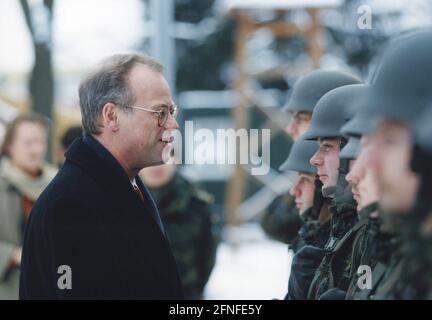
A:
362	250
399	254
384	289
416	277
332	271
381	256
281	220
311	233
190	225
411	275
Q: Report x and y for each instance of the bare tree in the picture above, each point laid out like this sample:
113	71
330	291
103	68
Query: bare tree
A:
39	16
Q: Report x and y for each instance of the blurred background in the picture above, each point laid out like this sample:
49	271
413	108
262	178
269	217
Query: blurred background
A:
230	64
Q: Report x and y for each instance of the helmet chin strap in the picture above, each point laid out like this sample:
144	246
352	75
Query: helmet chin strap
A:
329	192
318	199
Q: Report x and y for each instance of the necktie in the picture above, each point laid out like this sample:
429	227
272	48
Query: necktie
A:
154	214
138	191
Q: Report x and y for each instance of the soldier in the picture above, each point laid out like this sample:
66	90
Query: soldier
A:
307	91
369	240
281	219
394	104
330	115
189	223
416	280
366	193
72	133
331	112
316	228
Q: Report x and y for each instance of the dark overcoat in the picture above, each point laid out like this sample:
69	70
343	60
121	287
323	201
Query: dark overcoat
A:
90	236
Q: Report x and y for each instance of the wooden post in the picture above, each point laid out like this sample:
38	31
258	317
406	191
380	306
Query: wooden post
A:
314	49
236	187
237	183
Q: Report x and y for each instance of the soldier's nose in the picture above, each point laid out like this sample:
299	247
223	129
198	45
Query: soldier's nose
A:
315	161
292	192
291	129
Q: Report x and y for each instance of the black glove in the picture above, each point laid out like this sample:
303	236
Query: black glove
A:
303	267
333	294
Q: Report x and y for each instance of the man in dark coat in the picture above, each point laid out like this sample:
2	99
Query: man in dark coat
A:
95	232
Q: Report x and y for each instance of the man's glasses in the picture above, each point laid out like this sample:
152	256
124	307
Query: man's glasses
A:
162	113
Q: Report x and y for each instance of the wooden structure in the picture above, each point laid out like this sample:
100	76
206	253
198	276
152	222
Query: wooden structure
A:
241	10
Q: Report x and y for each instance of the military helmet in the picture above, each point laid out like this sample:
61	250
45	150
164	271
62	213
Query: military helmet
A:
333	110
359	124
423	130
421	160
402	86
351	149
310	88
300	154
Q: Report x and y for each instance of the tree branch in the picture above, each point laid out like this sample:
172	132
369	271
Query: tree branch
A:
27	14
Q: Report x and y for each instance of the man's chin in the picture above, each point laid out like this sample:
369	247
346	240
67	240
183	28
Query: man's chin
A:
326	185
164	150
394	207
323	179
328	182
154	161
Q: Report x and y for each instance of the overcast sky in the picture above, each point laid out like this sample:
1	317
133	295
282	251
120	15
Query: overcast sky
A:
84	32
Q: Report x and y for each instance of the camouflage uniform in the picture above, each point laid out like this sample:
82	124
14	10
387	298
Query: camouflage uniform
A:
385	258
332	271
407	257
416	277
384	289
281	220
332	111
312	232
409	274
415	281
190	227
363	251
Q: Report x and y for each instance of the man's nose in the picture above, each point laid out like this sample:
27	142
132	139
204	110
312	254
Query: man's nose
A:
292	129
316	159
171	123
294	191
350	177
356	173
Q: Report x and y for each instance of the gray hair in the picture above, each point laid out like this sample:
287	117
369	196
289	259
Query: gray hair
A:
109	83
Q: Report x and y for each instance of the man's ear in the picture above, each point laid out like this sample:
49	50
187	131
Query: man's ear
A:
110	116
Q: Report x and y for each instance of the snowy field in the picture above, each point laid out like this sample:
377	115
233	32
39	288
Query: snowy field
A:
249	266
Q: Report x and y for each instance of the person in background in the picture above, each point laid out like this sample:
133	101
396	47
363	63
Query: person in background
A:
189	223
23	176
66	140
7	114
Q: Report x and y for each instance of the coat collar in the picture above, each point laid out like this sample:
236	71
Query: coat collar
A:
98	162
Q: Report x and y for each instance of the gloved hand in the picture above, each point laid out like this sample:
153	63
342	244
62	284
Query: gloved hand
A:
303	267
333	294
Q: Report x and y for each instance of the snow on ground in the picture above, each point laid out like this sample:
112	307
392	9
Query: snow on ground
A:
249	266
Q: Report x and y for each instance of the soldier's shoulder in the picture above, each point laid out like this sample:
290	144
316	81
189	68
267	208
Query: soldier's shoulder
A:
198	193
204	196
